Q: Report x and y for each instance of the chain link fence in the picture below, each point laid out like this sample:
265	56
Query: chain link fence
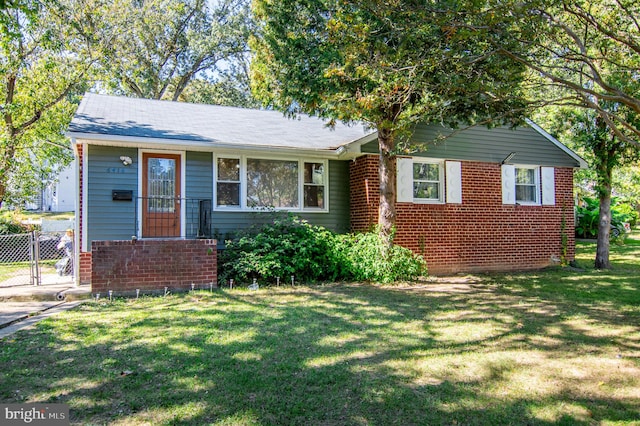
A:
36	258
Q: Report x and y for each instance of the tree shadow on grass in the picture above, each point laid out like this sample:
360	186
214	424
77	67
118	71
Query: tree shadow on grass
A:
339	354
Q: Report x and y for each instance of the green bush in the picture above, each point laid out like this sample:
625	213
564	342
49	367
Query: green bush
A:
626	213
287	246
11	223
587	216
367	258
291	246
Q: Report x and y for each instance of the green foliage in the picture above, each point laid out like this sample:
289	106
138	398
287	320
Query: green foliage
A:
11	223
286	246
291	246
367	257
625	212
44	66
156	48
584	54
588	214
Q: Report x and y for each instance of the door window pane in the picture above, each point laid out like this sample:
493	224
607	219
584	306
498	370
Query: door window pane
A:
161	185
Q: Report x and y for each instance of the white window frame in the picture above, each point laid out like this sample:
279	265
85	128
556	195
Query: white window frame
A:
536	175
243	183
441	177
215	182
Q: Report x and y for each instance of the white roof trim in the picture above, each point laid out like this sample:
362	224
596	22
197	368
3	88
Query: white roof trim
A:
580	160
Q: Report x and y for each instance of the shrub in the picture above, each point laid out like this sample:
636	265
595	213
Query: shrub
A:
11	223
368	258
287	246
587	216
626	213
291	246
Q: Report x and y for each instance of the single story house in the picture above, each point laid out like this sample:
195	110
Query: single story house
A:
173	174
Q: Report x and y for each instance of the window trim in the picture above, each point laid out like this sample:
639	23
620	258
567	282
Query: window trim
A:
537	182
243	207
441	184
216	181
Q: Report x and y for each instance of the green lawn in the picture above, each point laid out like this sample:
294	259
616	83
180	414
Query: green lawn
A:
554	347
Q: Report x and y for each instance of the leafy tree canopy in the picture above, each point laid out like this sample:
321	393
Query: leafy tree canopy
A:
585	54
44	64
155	48
390	64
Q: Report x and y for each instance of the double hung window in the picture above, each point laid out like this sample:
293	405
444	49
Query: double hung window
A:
427	181
527	185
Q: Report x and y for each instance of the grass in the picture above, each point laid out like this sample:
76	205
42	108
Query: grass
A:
558	346
20	215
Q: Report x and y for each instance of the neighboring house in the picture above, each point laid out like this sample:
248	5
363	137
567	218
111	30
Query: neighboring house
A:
158	170
58	196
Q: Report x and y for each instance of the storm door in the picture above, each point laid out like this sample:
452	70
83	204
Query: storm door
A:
161	195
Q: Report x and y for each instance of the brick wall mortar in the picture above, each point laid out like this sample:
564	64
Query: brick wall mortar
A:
481	234
151	265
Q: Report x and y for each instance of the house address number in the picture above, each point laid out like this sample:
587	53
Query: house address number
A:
116	170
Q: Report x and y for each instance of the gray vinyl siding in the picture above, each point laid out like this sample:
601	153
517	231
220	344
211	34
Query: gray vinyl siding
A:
487	145
199	175
108	219
337	219
227	223
116	220
198	187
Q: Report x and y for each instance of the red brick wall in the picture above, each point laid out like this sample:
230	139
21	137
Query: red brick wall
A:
481	234
365	192
151	265
85	268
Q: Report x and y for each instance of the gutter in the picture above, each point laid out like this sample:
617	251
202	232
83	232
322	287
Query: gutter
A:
345	151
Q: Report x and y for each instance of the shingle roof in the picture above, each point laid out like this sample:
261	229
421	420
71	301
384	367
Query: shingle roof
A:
142	118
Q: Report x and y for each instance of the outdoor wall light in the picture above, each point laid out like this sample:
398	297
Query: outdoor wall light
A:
126	160
509	157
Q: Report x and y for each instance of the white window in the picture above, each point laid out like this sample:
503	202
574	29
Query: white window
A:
250	182
423	180
228	182
314	185
272	183
527	185
427	181
530	185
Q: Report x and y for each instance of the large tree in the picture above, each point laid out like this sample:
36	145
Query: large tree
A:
230	87
44	63
586	55
390	64
587	133
155	48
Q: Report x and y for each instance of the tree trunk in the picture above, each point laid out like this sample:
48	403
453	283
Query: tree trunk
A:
606	152
387	174
3	190
604	219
